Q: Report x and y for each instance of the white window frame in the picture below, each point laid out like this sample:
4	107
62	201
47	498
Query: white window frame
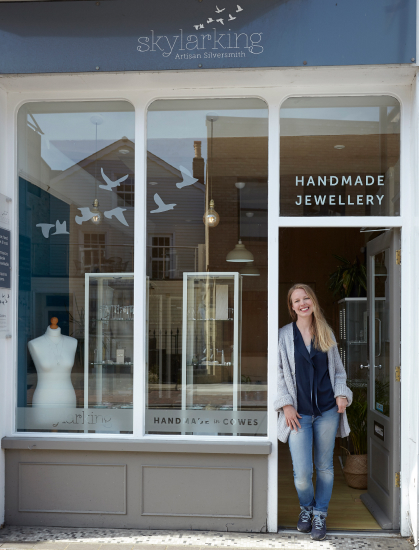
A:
275	85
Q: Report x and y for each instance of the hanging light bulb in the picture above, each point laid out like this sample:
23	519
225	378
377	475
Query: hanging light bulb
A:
211	218
97	217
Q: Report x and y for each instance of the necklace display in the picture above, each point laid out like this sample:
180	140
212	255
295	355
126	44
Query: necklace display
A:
57	349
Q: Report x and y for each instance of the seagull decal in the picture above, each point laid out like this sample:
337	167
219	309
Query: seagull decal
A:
218	9
109	183
220	21
60	228
161	206
187	178
230	17
86	215
210	20
196	27
45	228
238	9
118	213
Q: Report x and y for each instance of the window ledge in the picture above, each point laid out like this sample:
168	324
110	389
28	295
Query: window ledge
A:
138	446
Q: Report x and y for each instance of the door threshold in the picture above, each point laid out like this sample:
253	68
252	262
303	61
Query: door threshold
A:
342	533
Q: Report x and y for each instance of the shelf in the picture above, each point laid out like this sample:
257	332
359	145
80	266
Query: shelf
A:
112	320
106	364
205	320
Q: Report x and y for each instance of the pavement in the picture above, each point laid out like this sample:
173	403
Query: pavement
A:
53	538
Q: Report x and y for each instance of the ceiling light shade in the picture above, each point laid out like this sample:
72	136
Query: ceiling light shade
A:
239	254
249	270
97	217
211	217
240	184
339	147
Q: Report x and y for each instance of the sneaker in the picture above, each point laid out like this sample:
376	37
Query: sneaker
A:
304	520
318	532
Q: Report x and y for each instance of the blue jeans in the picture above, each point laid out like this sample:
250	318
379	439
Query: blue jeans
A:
320	430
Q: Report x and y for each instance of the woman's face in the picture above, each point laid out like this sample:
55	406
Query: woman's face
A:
301	303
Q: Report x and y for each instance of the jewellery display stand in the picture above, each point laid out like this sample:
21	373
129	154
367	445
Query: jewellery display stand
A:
211	339
109	339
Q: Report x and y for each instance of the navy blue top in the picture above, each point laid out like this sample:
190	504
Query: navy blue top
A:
314	389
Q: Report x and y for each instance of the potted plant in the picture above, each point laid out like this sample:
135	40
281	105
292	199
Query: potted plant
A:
356	465
349	278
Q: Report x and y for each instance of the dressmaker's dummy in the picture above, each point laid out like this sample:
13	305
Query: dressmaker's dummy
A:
53	355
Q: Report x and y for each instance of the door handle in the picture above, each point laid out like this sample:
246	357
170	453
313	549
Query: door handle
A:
364	366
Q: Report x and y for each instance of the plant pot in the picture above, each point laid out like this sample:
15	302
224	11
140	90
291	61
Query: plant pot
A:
356	471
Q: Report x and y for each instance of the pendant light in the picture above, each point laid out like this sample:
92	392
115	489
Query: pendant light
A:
239	254
211	218
250	270
97	217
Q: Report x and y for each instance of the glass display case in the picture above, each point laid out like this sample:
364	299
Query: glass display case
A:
211	340
108	365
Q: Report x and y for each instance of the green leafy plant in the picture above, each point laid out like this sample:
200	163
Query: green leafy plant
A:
347	277
357	418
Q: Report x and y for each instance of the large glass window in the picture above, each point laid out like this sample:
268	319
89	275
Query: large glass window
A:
340	156
207	282
76	251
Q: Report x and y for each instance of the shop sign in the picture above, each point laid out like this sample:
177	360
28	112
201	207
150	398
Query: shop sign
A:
206	422
97	420
163	35
347	191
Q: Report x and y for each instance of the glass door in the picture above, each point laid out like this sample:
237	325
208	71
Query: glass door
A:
383	496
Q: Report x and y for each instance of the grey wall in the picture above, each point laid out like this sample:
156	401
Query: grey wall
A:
145	490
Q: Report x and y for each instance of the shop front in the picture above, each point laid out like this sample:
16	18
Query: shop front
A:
157	207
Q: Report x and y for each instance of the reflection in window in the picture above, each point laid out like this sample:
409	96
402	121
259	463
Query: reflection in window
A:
76	251
207	315
340	156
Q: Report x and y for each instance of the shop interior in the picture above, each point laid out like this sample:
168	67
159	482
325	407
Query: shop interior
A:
319	258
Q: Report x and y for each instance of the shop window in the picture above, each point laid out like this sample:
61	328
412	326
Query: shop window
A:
76	250
340	156
207	161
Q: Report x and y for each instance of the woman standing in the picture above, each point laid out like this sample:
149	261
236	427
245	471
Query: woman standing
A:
311	400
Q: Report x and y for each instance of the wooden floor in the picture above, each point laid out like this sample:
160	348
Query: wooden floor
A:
346	511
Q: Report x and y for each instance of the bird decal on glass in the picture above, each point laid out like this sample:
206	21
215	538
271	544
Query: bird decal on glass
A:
118	213
161	206
239	9
109	183
188	179
218	9
230	17
86	215
220	21
45	228
60	228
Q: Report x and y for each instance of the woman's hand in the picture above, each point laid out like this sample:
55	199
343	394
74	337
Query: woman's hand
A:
291	416
342	403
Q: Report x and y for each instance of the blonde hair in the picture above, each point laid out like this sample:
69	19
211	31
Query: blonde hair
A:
321	331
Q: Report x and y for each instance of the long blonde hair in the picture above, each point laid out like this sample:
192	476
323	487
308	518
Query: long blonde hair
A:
321	331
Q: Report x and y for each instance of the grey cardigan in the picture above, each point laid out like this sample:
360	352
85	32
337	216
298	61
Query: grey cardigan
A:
287	385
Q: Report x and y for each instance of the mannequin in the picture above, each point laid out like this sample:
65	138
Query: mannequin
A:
53	355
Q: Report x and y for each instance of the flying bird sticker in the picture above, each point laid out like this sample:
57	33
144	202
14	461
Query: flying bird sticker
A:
161	206
187	178
60	228
86	215
109	183
118	213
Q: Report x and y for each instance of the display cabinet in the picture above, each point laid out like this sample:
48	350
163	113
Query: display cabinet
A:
108	345
353	326
211	340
